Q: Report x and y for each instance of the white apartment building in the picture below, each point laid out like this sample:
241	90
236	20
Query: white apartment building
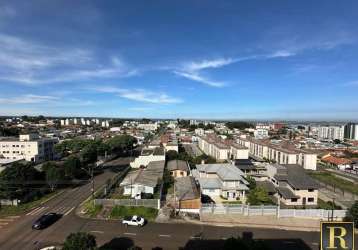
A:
331	133
213	146
262	126
351	131
28	147
199	131
148	126
282	153
261	133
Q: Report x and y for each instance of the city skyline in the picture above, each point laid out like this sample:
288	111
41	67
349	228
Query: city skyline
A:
253	61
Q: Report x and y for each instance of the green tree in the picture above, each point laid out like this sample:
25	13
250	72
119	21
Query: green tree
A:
258	196
252	182
89	153
80	241
72	167
353	214
171	155
121	143
18	180
54	175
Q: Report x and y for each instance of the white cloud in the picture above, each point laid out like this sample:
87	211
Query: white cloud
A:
27	62
192	70
206	64
28	99
140	95
198	78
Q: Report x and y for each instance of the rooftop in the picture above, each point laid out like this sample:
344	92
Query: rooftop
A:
177	165
296	177
186	188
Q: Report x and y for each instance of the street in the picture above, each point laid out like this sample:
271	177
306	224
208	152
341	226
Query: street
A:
16	232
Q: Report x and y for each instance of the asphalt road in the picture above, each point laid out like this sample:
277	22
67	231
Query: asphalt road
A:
16	232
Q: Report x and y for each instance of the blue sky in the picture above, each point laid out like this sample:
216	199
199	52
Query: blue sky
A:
188	59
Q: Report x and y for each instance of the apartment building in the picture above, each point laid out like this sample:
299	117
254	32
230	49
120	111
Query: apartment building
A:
351	131
211	145
331	133
293	186
280	152
148	126
28	147
220	149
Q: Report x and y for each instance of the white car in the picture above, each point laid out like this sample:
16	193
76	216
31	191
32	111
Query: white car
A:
133	221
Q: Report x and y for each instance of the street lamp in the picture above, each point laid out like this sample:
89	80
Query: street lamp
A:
90	173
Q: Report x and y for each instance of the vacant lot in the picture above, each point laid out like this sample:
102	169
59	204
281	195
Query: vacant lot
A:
334	181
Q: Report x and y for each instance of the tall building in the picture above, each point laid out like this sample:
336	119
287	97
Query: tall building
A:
331	132
29	147
351	131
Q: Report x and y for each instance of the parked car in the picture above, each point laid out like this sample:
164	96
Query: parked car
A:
133	221
45	221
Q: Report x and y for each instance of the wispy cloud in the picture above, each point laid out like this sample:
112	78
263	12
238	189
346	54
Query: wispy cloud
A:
351	83
27	62
193	70
27	99
140	95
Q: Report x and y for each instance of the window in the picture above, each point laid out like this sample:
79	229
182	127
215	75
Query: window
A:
293	199
310	190
310	199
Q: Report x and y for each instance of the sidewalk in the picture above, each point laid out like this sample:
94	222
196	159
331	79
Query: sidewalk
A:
298	224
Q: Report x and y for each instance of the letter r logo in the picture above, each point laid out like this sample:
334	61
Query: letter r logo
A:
337	236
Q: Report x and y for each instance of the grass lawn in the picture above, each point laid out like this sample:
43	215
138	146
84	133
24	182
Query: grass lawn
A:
16	210
119	212
91	209
326	205
332	180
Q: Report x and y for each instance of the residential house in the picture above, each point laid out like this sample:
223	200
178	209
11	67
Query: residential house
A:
224	180
337	162
187	194
148	155
255	170
294	187
178	168
143	181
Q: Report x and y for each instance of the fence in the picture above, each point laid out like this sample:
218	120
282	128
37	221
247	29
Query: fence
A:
9	202
246	210
154	203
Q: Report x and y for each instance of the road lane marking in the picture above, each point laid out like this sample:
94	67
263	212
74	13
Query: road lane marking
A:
32	211
13	216
37	211
97	232
69	211
164	235
129	233
6	220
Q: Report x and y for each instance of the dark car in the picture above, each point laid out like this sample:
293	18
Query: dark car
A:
46	220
